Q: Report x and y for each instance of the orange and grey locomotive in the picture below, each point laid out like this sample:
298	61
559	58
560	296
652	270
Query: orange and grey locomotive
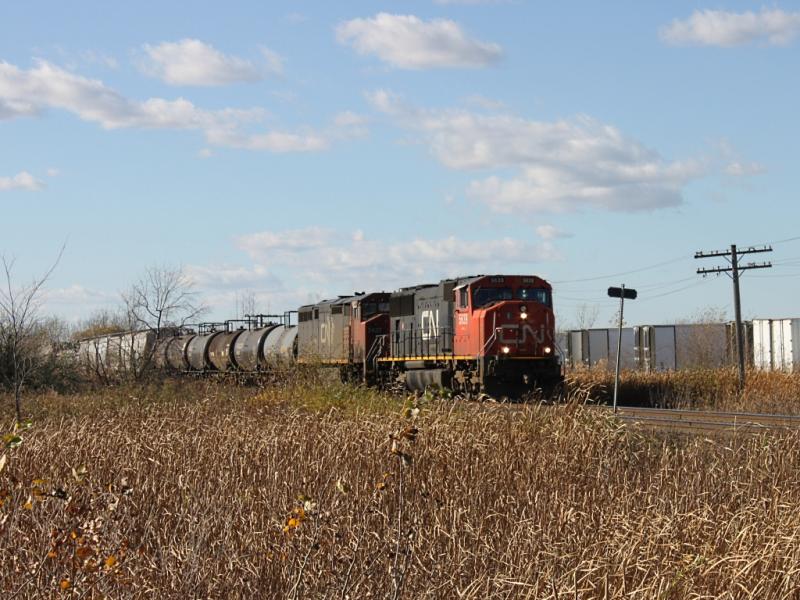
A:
489	333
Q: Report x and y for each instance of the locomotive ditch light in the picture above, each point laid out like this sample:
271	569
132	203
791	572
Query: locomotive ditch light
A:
547	349
506	349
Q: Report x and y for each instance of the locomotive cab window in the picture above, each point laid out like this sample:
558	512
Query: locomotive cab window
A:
484	296
539	295
368	309
463	297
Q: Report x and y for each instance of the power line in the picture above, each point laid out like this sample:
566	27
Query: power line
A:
791	239
599	277
680	289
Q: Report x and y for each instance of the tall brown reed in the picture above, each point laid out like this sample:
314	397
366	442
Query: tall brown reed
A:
335	492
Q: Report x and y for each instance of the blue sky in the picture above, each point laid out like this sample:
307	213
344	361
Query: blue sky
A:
297	150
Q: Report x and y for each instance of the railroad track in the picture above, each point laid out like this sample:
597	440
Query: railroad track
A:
704	421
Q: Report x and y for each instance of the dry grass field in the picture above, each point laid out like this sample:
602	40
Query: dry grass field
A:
205	491
713	389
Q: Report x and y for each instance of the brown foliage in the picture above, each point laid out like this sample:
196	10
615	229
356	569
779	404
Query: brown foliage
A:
714	389
186	491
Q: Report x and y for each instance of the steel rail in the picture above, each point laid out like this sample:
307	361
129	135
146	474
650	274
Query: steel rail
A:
704	421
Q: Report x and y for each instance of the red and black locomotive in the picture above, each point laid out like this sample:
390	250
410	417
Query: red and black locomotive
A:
488	333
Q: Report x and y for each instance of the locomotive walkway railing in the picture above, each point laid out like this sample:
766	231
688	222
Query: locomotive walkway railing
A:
418	344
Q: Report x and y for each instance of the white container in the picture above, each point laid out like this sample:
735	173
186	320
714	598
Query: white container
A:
598	347
686	346
776	344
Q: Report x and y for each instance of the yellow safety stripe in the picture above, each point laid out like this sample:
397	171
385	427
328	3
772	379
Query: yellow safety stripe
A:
343	361
332	361
467	357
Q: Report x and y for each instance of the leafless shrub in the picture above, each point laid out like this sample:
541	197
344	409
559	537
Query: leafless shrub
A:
161	300
22	343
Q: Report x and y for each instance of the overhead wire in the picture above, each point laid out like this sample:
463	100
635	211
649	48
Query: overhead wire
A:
647	268
791	239
669	293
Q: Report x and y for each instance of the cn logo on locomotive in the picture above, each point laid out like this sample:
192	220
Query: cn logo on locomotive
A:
429	323
504	335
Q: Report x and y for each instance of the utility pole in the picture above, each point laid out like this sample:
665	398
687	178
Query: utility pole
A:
734	271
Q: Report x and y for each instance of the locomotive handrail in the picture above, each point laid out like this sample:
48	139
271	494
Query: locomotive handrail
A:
492	337
415	343
374	353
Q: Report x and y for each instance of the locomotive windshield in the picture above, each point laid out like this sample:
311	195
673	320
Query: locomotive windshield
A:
370	308
483	296
536	294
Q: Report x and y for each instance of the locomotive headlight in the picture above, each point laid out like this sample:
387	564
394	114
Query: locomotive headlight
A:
523	315
547	349
506	349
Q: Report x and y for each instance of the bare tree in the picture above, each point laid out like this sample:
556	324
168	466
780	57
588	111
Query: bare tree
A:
20	329
586	315
614	320
161	299
92	335
100	322
245	303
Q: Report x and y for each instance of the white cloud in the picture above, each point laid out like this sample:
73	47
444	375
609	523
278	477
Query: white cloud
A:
193	62
273	141
348	124
296	18
227	276
29	92
408	42
721	28
12	108
53	172
21	181
260	245
564	165
745	169
330	258
550	232
485	103
98	58
273	61
294	266
77	294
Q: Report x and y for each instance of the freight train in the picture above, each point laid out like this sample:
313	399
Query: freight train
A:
491	334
